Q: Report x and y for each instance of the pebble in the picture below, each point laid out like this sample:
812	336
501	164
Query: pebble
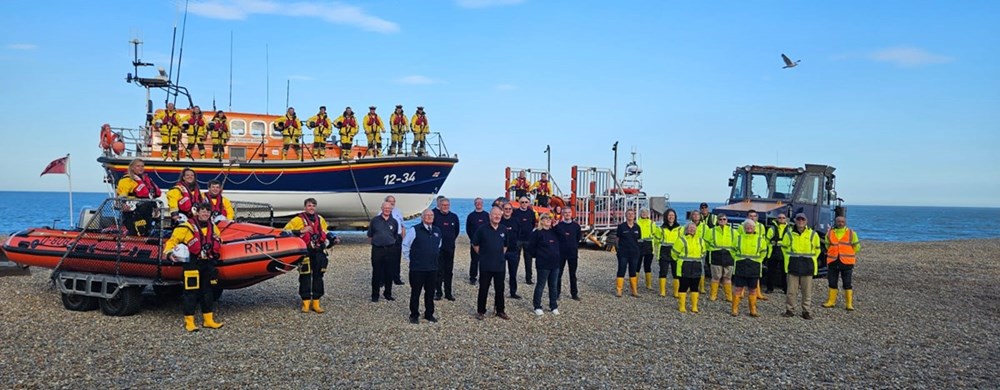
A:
926	318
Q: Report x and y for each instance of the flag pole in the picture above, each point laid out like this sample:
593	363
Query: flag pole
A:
69	176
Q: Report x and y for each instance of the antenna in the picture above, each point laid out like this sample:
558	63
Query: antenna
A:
288	89
173	43
267	70
180	55
230	71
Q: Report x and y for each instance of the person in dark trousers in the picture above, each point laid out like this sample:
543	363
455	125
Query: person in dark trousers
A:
490	243
422	249
544	247
312	228
511	226
628	234
569	240
473	222
398	248
775	277
203	244
526	221
447	222
383	232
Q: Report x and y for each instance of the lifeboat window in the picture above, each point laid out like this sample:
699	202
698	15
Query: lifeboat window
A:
238	127
238	153
274	132
257	129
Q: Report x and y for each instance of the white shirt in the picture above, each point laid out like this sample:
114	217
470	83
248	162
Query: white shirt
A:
398	216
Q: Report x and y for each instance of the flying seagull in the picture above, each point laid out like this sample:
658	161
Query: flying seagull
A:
788	62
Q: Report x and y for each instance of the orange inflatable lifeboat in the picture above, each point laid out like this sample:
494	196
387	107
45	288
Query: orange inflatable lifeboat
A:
250	253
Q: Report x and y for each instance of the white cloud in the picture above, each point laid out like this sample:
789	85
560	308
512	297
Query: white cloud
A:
505	87
300	77
486	3
416	80
22	46
332	12
908	56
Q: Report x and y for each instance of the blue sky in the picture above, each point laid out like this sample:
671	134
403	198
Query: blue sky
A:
900	96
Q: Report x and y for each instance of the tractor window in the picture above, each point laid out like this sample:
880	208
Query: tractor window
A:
257	129
758	186
810	190
783	186
738	187
238	127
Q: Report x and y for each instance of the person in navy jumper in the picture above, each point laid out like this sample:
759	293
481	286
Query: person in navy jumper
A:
473	222
569	239
544	247
422	248
628	253
489	241
511	228
526	221
447	222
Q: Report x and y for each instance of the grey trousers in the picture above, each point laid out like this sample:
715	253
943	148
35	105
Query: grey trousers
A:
794	284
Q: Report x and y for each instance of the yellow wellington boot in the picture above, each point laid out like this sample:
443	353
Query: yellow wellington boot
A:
728	288
619	283
682	302
305	305
316	308
634	283
701	285
760	293
753	306
831	298
849	297
677	288
736	306
210	323
715	292
189	324
663	287
649	280
694	302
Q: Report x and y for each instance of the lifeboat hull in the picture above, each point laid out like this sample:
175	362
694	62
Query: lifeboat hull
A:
250	253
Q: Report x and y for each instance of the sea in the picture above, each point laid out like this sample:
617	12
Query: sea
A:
21	209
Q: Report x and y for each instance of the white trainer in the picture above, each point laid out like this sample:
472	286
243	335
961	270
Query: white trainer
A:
555	311
538	312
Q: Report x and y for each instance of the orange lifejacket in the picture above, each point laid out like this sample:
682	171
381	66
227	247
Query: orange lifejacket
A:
206	244
199	122
188	199
315	239
421	120
398	119
350	121
322	121
170	118
107	137
840	247
522	184
292	122
543	187
146	189
373	120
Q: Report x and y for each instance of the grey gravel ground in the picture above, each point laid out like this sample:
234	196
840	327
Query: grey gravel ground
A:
927	318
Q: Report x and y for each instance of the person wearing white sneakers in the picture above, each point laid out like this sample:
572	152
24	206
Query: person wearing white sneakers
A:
544	247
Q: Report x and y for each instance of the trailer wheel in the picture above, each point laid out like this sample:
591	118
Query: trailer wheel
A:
126	303
76	302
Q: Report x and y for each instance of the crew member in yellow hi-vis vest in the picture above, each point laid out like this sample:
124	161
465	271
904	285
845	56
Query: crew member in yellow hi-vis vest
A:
168	122
312	228
689	253
373	130
203	244
197	131
646	227
842	248
663	242
803	250
420	129
348	126
748	255
397	125
218	128
322	127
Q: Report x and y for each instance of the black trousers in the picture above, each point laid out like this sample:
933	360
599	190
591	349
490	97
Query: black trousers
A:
311	275
485	279
542	200
646	256
512	264
422	280
842	271
775	277
689	284
382	269
522	248
445	272
396	259
629	262
666	262
573	262
200	278
473	263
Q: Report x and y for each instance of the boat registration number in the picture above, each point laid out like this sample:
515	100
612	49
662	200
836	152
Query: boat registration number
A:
392	178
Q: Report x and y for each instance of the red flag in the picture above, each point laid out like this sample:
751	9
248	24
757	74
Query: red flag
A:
56	166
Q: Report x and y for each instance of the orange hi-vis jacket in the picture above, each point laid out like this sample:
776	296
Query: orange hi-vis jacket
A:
843	247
